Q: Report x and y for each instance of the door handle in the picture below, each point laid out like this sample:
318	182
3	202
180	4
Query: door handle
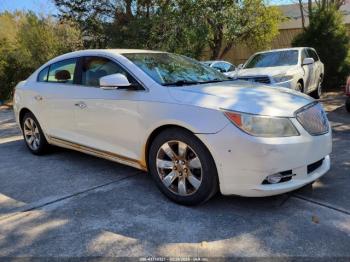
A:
38	98
81	105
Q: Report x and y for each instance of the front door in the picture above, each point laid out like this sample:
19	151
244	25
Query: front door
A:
107	120
308	71
316	69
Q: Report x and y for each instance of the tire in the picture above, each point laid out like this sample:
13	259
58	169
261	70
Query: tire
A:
347	104
182	167
300	87
318	92
33	135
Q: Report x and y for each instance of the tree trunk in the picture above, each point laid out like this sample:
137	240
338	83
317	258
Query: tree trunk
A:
310	9
217	41
216	47
128	9
302	14
227	48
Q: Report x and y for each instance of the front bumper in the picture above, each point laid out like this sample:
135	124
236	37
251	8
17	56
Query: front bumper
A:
244	161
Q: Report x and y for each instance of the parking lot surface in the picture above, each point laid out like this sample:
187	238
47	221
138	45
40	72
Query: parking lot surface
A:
70	204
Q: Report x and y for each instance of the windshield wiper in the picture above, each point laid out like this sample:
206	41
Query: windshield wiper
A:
215	81
186	82
181	83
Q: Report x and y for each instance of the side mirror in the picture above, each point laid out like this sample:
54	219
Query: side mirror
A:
114	81
308	61
62	75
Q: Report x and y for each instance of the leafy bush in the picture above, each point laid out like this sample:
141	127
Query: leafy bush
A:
327	34
26	42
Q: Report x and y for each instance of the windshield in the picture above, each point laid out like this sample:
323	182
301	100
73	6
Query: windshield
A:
171	69
271	59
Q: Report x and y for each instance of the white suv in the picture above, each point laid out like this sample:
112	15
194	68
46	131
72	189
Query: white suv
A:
297	68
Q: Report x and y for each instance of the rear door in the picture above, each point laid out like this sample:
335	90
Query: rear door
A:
57	85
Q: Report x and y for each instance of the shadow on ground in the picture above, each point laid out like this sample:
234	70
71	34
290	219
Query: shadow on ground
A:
71	204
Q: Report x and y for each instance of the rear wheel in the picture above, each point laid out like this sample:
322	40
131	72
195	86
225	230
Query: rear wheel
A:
182	167
33	135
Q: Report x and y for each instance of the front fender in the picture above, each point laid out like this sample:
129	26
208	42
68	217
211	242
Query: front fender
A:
196	119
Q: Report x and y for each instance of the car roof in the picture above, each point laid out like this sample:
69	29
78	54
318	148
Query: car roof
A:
117	51
106	51
284	49
215	61
92	52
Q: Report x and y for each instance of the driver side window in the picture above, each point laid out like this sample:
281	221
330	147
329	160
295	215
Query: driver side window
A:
93	68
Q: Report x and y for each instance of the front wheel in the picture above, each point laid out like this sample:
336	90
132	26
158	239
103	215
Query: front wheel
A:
182	167
318	92
300	87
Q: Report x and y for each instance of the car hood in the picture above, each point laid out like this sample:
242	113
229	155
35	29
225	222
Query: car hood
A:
268	71
242	96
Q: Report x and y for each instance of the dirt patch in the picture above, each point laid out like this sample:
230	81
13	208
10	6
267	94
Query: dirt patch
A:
334	104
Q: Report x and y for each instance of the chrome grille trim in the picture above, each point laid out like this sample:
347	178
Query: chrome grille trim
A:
256	79
313	119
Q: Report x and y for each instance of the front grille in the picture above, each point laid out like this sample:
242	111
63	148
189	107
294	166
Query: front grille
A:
313	119
257	79
312	167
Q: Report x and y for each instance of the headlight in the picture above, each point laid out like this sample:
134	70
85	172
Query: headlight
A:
282	78
262	126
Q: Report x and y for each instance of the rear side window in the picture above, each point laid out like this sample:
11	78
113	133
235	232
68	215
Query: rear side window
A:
63	71
42	76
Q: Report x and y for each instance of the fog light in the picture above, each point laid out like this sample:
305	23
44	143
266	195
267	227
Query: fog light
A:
274	179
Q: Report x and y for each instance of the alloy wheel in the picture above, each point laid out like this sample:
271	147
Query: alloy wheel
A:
300	87
179	168
31	133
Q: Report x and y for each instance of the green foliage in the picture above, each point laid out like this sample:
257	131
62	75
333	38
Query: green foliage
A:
190	26
182	26
229	22
92	17
177	28
31	42
327	34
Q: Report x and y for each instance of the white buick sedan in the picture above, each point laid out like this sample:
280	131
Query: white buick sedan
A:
192	128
